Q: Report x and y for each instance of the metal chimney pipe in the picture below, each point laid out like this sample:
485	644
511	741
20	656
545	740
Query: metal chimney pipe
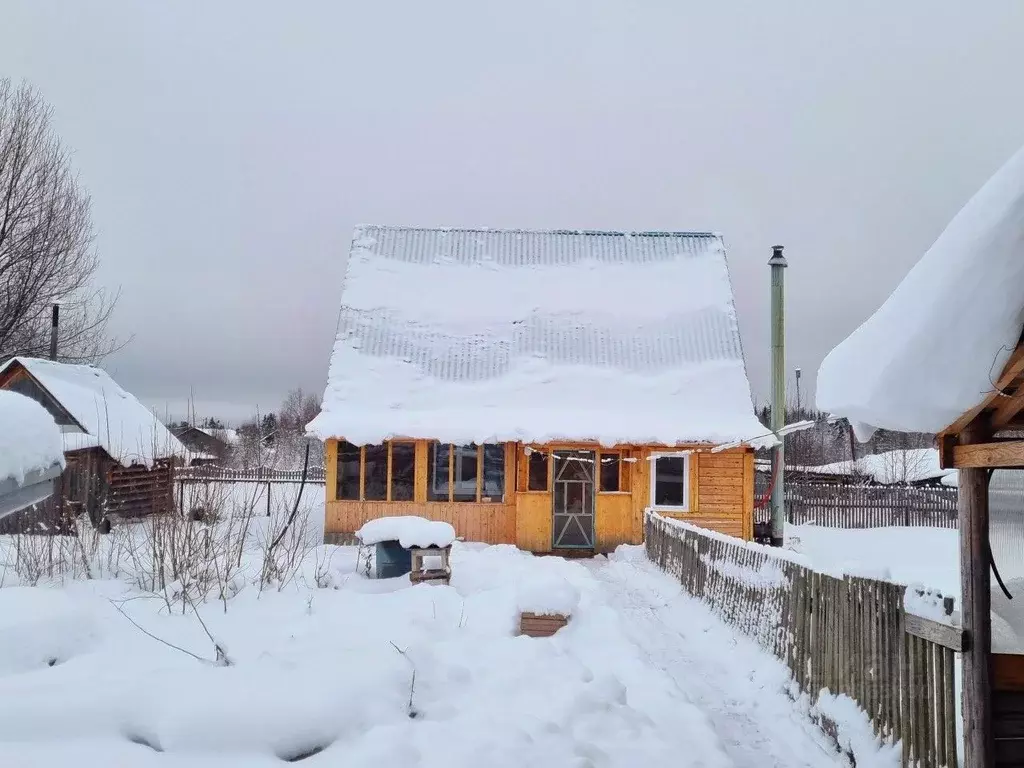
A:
54	318
777	263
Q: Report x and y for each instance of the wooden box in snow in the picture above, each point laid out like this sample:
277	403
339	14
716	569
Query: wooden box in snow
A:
541	625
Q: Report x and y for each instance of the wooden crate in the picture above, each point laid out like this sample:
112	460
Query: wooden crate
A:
536	625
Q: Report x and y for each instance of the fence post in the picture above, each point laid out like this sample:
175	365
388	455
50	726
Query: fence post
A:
268	499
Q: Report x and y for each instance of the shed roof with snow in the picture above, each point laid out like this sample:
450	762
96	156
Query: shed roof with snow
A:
31	455
92	409
941	349
467	335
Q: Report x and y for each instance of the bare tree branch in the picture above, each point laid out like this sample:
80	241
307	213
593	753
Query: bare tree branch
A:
46	239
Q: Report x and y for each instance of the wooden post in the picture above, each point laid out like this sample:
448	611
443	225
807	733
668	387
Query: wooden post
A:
976	612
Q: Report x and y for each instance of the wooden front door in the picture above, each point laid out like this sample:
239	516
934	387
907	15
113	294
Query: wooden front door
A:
573	500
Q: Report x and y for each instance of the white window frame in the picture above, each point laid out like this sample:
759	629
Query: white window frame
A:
685	456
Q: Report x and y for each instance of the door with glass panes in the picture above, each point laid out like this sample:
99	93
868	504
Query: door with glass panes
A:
573	500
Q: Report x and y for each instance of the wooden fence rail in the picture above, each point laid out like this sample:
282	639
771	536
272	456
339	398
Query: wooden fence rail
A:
847	635
844	505
211	473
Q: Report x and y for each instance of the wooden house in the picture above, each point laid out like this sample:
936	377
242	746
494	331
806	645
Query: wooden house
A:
945	354
202	445
541	389
118	455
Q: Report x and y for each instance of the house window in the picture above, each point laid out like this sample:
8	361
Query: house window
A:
348	472
375	473
440	465
403	471
670	482
493	489
538	472
465	472
476	473
609	477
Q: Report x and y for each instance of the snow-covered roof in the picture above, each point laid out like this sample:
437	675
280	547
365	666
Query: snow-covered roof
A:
29	438
912	465
934	349
31	456
109	417
476	335
224	434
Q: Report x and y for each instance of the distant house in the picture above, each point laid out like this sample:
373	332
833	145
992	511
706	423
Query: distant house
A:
119	456
204	446
31	453
541	389
904	466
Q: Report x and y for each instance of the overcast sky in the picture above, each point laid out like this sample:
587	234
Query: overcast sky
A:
230	147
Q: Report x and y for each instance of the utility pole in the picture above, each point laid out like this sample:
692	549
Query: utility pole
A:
777	263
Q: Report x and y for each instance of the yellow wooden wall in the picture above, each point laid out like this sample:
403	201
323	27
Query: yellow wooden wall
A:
487	522
721	492
721	498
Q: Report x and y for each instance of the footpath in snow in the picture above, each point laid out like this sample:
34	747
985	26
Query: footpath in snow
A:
331	668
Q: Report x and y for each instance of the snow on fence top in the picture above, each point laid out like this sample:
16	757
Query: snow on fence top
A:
109	417
29	438
407	530
485	335
934	348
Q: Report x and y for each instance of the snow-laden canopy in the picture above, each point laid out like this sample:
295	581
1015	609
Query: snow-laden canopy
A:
934	349
29	438
106	415
486	335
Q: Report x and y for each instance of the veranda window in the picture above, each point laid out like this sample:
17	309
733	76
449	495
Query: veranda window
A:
670	482
467	473
385	472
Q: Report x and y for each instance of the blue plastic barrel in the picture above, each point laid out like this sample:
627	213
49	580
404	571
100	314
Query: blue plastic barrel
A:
393	560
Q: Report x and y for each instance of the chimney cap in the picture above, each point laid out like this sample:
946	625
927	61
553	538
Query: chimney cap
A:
777	258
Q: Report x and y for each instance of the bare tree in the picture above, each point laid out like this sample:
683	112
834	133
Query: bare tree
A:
46	233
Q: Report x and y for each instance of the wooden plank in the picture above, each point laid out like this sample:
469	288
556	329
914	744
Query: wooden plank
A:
1008	453
935	632
949	704
1007	672
976	610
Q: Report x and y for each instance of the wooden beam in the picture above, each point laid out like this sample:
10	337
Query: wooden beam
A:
1007	409
976	613
936	632
990	455
1014	367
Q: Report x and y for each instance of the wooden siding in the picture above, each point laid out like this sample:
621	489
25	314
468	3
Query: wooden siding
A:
489	523
721	491
533	521
721	498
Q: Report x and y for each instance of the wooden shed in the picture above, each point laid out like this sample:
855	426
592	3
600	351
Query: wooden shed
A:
945	354
119	457
541	389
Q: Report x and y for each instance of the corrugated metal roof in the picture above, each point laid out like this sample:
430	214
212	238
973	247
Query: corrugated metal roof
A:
665	306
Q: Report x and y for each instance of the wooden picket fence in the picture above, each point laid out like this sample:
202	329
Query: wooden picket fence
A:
847	635
844	505
213	473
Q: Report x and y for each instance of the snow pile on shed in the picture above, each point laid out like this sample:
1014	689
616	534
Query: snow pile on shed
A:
488	335
29	439
933	350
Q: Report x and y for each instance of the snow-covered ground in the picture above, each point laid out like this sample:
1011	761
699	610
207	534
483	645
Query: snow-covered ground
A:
314	657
